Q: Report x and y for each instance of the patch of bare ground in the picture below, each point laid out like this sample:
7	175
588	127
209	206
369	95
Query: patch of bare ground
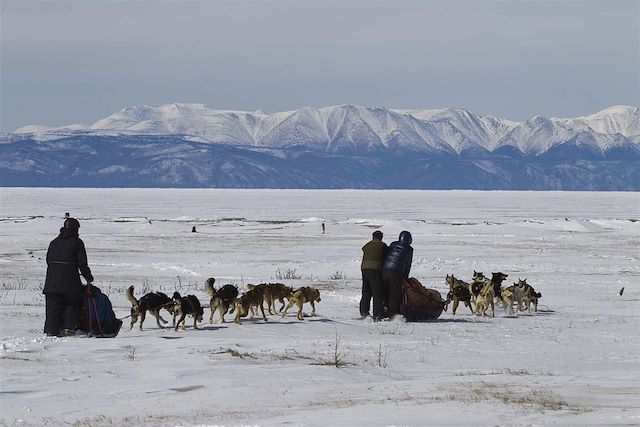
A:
541	399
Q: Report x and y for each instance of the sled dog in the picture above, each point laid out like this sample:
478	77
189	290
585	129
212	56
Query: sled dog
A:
497	279
187	305
276	291
152	302
458	291
300	296
221	299
529	295
485	297
249	303
513	295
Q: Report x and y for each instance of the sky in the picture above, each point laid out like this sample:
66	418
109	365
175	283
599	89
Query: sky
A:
67	62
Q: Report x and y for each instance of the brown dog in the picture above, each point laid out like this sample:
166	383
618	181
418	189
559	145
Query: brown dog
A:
300	296
485	297
251	299
529	295
273	292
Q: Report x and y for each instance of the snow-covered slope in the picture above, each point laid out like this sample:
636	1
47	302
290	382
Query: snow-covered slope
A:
357	129
620	119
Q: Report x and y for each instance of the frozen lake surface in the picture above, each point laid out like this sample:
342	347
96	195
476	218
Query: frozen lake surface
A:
574	362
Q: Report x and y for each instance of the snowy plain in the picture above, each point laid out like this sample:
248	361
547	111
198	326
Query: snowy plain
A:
574	362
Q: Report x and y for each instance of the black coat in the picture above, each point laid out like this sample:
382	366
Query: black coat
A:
66	255
400	255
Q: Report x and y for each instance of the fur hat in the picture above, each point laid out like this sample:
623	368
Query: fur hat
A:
72	224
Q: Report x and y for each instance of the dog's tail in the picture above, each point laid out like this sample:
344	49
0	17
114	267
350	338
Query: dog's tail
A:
208	286
131	298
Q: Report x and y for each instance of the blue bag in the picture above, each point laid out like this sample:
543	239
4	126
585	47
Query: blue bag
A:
98	318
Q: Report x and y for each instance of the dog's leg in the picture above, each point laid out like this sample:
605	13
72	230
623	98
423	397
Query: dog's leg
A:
156	313
214	305
283	304
493	310
300	304
471	309
224	308
160	317
291	302
269	300
134	318
195	322
456	301
183	319
143	314
262	310
313	308
238	310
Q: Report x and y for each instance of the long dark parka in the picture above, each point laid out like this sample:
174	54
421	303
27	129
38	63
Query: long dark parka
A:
66	259
66	255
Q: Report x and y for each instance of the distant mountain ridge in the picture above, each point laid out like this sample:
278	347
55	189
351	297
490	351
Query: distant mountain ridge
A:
344	146
358	128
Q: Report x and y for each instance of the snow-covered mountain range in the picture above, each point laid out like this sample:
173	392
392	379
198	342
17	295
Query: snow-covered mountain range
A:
363	129
339	146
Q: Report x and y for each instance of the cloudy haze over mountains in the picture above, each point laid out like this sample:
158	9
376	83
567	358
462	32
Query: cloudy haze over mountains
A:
344	146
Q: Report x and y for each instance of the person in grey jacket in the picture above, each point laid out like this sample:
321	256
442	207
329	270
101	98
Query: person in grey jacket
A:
373	254
62	287
395	270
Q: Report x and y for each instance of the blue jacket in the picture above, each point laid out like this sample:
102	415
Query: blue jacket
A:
400	254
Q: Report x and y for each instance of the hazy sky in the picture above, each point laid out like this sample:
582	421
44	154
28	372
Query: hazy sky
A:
67	62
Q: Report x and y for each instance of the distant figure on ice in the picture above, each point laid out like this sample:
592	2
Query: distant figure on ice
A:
62	287
323	229
373	254
395	270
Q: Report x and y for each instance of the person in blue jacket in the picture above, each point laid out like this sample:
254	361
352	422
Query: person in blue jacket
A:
395	271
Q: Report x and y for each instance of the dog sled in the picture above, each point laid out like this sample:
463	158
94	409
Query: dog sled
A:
420	303
98	319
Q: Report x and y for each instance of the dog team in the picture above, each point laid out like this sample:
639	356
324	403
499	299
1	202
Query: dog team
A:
385	270
224	300
483	293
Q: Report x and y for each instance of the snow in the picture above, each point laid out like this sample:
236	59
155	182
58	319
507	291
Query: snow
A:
355	127
621	119
574	362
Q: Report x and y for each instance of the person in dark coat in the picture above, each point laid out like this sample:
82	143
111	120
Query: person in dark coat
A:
373	254
395	270
62	287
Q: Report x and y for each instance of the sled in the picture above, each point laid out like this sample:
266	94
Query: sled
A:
420	303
